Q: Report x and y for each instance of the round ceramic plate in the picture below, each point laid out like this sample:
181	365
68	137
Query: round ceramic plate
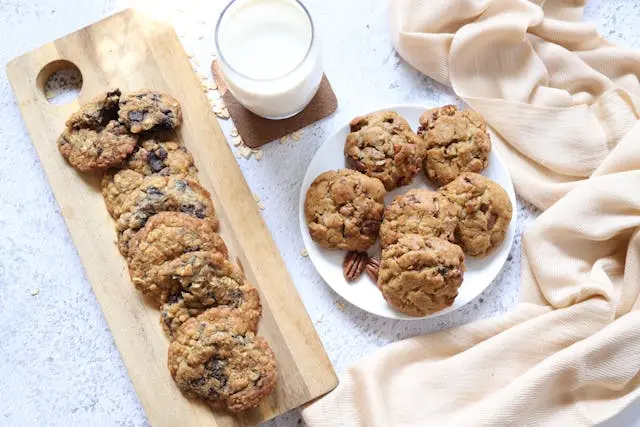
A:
363	292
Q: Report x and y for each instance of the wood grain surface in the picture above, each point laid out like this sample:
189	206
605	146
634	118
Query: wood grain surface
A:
129	51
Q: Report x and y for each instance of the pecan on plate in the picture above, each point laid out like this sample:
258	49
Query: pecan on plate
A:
373	268
354	265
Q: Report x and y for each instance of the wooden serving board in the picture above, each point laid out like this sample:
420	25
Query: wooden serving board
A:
129	51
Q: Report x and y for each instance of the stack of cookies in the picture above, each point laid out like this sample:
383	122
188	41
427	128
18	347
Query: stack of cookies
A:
424	234
167	231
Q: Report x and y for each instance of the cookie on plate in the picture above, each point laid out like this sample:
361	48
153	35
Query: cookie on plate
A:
94	139
344	209
382	145
165	237
485	212
162	194
419	211
145	110
217	358
420	275
152	157
206	280
457	141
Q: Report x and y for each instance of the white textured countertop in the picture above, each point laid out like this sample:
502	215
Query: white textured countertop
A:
58	361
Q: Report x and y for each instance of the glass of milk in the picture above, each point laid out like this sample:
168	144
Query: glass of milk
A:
269	55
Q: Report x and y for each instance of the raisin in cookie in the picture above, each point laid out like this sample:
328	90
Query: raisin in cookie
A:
485	212
165	237
145	110
162	194
152	157
93	139
421	212
457	142
420	275
344	209
217	358
207	280
382	145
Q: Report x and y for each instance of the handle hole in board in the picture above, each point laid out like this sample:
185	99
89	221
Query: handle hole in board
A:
60	82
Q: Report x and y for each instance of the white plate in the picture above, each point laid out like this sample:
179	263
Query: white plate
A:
364	293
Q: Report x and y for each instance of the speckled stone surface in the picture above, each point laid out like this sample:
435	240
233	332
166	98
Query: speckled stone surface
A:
58	361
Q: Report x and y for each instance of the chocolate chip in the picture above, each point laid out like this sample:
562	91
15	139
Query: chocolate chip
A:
443	271
484	208
492	220
136	116
370	227
99	151
154	192
193	210
155	163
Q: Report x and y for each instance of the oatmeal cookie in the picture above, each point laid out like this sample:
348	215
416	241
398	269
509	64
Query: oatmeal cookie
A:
420	275
93	139
162	194
344	209
152	157
457	142
217	358
165	237
382	145
145	110
485	212
208	280
421	212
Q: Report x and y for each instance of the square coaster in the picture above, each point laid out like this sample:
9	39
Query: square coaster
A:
257	131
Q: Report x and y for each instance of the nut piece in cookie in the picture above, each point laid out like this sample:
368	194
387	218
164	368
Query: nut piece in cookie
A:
485	212
152	157
217	358
93	139
421	212
162	194
164	238
145	110
382	145
457	142
344	209
420	275
206	280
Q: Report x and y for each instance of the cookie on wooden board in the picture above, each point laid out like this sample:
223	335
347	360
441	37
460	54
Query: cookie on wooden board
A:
217	358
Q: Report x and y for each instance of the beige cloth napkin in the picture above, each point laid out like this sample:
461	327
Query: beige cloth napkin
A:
566	105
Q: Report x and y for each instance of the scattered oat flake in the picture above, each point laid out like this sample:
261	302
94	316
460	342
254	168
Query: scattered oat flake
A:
304	253
236	141
35	291
234	132
257	154
256	197
284	139
340	305
260	206
245	151
190	55
296	135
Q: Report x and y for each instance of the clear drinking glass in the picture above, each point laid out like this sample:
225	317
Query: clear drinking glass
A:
269	55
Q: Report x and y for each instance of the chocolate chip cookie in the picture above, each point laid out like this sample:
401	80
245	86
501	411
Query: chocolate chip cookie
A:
485	212
421	212
344	209
165	237
217	358
382	145
94	139
420	275
206	280
162	194
152	157
145	110
457	142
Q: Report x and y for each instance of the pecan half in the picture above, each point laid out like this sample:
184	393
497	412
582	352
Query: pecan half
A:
373	268
354	265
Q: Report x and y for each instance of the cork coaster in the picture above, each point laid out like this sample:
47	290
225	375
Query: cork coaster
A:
257	131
